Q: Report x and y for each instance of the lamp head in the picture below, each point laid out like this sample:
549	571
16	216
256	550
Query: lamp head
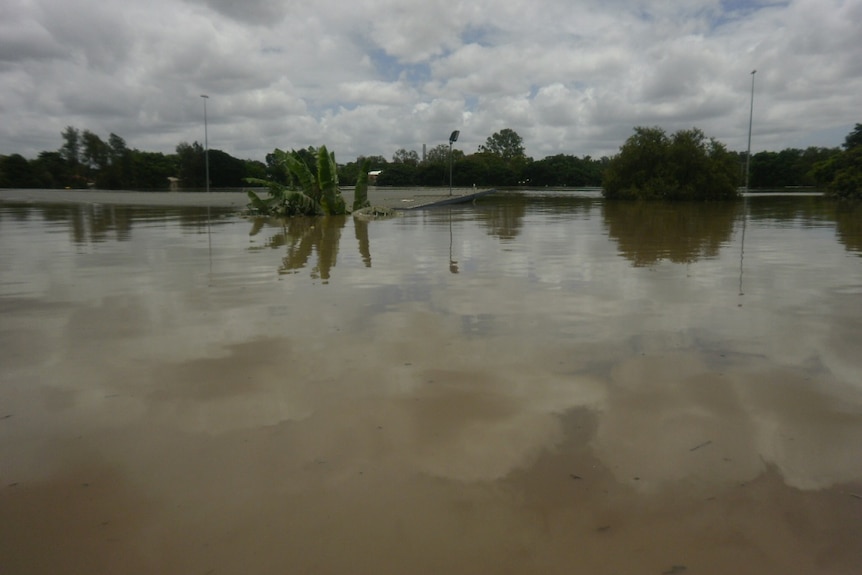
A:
453	137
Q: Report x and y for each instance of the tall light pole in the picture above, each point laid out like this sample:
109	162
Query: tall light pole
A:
453	137
206	144
750	118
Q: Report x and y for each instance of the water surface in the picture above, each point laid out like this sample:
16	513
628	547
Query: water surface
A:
533	384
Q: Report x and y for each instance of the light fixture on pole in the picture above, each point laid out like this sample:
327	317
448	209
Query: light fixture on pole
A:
453	137
750	118
206	144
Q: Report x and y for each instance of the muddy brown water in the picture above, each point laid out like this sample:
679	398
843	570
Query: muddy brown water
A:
532	384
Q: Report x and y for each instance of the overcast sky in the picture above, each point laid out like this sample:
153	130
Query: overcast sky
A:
367	77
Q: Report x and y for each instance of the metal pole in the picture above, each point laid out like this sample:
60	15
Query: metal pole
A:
207	163
750	118
453	137
450	168
206	144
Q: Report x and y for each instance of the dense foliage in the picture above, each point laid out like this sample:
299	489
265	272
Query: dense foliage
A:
312	188
841	174
685	166
677	161
86	161
788	168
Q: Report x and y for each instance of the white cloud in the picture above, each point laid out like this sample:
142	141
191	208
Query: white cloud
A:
373	76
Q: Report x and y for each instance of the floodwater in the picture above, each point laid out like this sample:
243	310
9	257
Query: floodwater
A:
532	384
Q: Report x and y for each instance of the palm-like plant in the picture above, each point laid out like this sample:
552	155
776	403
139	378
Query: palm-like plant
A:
310	193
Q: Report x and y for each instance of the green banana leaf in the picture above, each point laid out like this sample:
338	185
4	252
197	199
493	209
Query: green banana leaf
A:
360	195
307	182
327	177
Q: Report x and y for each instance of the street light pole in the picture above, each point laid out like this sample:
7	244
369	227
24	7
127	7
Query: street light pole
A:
453	137
750	118
206	144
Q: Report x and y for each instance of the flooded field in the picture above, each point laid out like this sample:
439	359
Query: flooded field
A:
535	384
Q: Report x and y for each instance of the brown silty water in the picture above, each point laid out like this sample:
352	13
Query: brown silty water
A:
534	384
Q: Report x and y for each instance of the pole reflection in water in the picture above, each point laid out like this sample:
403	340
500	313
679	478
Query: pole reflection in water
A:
453	265
742	245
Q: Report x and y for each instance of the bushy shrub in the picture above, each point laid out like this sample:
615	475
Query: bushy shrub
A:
685	166
842	173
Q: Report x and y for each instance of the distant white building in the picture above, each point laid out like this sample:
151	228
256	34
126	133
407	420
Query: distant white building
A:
373	175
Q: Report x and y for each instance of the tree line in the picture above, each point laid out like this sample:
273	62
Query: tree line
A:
653	165
85	160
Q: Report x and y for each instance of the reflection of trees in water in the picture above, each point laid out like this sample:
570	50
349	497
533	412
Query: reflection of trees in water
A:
848	220
304	236
90	223
504	216
682	232
805	210
812	211
15	212
93	223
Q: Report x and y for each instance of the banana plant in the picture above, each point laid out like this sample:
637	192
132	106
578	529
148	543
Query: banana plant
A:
360	195
282	202
309	194
327	180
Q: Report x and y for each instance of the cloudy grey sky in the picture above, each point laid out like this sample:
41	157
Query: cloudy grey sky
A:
371	76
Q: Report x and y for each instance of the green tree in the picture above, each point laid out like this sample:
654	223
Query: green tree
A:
408	157
275	168
847	181
95	152
842	173
117	175
349	173
16	172
71	149
151	170
377	163
505	144
439	154
226	171
71	152
484	169
402	170
254	169
854	138
564	170
508	147
398	174
685	166
50	170
192	166
811	156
